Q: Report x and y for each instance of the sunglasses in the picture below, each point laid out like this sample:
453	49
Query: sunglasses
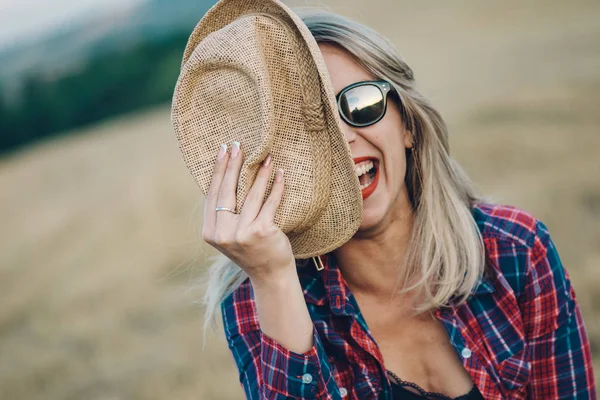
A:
363	103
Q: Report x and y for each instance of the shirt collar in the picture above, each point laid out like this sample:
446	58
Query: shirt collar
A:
312	285
329	285
484	286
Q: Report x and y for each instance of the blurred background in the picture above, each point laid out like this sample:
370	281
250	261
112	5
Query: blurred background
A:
100	220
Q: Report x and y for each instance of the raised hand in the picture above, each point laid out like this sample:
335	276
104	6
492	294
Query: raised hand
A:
250	239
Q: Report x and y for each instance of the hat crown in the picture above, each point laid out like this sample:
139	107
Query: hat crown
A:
252	72
232	79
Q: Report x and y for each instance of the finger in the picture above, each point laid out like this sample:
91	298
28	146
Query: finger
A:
256	195
213	191
227	191
267	212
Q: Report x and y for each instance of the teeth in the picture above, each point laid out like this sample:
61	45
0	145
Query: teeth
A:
363	167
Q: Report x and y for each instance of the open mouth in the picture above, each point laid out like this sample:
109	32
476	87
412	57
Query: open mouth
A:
367	171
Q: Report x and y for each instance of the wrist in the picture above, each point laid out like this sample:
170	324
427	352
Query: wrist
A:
279	278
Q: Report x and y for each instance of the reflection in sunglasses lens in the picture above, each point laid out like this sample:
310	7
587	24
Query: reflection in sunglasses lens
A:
362	105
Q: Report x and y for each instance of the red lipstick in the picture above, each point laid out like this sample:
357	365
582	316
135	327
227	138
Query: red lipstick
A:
366	192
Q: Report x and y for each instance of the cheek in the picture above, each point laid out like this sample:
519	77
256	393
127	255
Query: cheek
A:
394	156
388	137
397	171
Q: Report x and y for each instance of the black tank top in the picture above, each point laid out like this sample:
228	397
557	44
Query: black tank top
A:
410	391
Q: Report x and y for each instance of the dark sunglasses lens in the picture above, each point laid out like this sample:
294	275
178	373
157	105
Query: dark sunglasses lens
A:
362	105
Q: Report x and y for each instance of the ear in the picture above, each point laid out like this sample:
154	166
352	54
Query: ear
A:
408	139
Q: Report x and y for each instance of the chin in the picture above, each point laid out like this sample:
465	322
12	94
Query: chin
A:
372	216
380	208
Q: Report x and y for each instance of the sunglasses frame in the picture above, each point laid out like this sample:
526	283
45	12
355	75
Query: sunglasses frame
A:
384	87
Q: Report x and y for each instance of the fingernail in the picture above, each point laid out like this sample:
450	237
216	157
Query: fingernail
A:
235	149
222	151
279	176
267	160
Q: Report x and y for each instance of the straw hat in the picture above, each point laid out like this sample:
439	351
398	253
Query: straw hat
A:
252	72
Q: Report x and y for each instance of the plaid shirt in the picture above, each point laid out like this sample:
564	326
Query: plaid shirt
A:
520	334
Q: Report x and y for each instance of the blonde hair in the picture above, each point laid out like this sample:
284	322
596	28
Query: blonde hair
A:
445	258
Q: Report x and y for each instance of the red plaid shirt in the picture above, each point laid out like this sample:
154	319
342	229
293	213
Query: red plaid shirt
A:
520	334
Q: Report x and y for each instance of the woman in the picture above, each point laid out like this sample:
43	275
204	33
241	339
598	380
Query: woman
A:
437	295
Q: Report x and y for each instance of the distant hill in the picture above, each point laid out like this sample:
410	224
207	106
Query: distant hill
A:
67	48
99	68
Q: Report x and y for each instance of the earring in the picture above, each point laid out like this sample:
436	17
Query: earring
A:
319	264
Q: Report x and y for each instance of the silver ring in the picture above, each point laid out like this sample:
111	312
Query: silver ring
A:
226	209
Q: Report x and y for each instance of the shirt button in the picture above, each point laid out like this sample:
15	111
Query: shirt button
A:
343	392
466	352
307	378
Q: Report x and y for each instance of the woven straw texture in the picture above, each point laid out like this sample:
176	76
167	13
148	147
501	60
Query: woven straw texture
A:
252	72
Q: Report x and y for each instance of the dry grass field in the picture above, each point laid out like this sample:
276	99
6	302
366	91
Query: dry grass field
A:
99	233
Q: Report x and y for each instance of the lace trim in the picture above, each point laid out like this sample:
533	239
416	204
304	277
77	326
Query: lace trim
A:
425	394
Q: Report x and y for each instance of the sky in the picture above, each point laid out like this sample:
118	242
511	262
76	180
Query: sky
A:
22	20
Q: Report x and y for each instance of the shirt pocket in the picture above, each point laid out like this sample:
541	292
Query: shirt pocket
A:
515	370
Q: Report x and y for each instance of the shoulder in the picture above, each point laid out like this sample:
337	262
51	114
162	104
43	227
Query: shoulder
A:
524	265
506	223
518	248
